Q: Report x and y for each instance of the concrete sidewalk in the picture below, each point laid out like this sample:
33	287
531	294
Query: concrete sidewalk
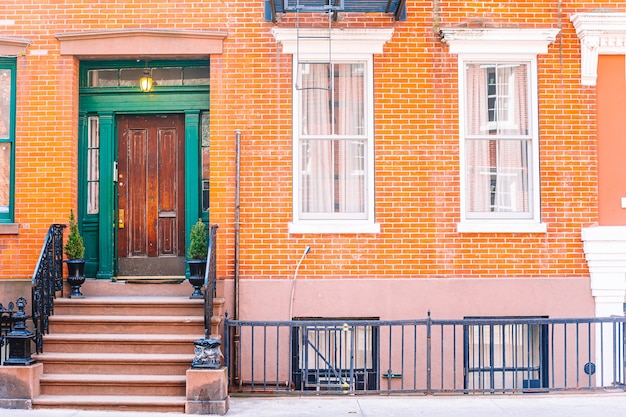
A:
529	405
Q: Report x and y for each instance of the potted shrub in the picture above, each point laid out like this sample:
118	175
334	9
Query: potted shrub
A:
196	257
75	253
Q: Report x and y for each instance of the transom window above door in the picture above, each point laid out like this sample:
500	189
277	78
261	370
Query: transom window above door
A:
161	76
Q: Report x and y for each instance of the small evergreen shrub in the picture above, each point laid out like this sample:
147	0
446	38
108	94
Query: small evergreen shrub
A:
198	241
74	247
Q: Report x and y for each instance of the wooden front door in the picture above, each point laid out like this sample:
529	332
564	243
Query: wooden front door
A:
151	226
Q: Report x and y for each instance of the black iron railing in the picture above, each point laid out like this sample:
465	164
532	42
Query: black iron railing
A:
210	276
6	325
47	280
427	356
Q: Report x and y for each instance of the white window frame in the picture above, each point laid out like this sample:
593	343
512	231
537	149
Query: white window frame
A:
345	45
501	46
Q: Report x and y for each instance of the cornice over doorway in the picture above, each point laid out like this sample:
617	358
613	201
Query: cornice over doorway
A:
13	46
133	43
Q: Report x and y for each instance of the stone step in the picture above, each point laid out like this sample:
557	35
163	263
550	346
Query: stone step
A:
120	343
142	385
129	305
115	363
162	404
133	286
126	324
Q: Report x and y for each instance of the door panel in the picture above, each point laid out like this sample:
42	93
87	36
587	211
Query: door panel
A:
151	195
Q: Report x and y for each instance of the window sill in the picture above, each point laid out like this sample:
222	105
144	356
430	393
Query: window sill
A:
501	227
332	227
9	228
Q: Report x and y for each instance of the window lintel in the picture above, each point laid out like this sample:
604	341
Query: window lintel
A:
498	40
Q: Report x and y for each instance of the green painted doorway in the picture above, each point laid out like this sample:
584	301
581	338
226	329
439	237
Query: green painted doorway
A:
110	99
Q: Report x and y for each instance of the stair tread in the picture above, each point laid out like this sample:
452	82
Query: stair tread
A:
112	378
98	356
111	337
134	319
138	299
109	399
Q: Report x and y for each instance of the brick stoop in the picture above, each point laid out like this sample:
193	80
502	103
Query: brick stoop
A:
122	347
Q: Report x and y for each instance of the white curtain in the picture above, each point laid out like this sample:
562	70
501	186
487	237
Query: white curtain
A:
497	156
477	151
351	152
317	166
332	163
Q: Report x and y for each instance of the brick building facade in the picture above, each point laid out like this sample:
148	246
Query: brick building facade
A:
414	243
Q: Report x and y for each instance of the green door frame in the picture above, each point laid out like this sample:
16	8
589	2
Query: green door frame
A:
100	230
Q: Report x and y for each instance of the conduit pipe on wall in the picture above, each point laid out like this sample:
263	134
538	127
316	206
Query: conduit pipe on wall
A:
237	209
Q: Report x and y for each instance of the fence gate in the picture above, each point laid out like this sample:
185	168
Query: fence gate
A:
334	358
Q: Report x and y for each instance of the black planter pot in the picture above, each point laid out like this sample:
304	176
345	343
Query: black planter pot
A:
75	276
197	268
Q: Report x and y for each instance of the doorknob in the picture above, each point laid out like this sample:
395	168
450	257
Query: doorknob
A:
120	219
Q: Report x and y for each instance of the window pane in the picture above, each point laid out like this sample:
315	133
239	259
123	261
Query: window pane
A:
129	77
197	76
103	78
5	103
316	99
167	76
349	99
5	176
204	126
497	175
503	356
497	99
333	176
93	166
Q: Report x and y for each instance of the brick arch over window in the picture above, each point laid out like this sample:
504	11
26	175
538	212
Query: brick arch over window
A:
132	43
13	46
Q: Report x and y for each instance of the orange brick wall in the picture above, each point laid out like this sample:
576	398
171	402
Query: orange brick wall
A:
416	142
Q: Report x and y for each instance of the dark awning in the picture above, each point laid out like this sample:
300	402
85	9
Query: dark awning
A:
397	8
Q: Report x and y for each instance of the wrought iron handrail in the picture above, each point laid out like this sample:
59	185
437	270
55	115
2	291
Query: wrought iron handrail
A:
6	325
210	275
47	280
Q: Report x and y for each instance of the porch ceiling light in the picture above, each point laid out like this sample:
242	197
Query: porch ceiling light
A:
145	82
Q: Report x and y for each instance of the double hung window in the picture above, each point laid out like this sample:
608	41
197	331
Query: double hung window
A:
332	142
7	137
333	128
498	141
498	127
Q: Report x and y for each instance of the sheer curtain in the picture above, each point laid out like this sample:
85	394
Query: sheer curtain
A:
477	151
317	166
331	144
497	154
351	155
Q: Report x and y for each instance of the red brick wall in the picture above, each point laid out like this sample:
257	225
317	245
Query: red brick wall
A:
416	141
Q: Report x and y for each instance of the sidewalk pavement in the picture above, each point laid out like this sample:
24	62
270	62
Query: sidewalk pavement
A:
528	405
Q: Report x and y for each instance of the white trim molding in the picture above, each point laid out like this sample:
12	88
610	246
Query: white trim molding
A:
498	40
605	250
600	33
344	41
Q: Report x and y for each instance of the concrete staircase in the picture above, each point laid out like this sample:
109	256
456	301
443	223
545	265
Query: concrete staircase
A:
122	347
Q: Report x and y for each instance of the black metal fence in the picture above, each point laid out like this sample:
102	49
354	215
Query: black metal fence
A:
473	355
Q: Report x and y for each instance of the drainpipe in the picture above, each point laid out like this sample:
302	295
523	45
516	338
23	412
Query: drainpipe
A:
237	206
237	336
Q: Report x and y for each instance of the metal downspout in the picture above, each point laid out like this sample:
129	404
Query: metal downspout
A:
237	206
236	336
